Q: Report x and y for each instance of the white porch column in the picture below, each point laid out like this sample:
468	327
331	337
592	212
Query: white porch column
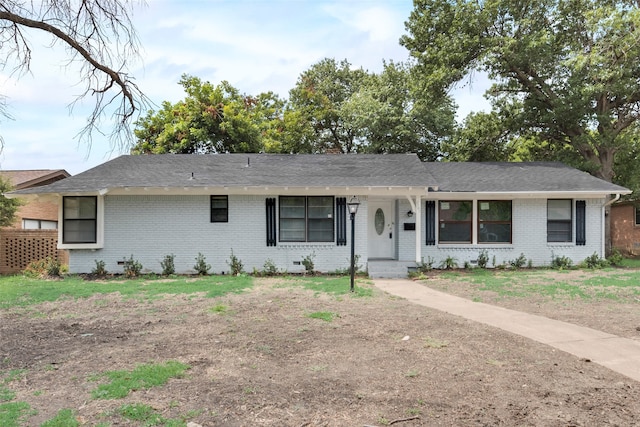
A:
418	216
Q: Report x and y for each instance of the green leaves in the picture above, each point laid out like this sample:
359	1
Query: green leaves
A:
565	71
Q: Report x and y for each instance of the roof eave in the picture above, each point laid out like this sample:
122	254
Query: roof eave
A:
471	195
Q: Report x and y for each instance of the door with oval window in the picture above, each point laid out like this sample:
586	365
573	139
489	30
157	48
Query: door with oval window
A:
381	229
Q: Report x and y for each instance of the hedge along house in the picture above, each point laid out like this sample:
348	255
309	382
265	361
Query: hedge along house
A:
284	208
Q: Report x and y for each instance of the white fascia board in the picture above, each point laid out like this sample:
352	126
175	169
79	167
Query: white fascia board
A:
459	195
271	190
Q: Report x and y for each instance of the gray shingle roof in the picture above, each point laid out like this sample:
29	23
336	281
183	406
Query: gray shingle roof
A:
238	170
326	170
516	177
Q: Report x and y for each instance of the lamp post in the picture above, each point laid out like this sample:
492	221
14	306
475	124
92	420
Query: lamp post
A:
353	210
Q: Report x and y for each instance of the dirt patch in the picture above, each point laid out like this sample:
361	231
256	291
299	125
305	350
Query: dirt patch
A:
257	358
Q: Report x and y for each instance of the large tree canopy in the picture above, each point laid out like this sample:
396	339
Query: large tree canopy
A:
211	119
332	108
320	97
566	71
98	34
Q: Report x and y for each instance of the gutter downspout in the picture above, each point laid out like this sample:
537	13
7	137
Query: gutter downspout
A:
604	221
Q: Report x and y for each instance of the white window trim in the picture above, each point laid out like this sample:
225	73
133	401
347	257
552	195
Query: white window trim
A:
99	244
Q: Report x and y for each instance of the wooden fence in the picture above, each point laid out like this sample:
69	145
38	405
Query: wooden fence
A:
20	247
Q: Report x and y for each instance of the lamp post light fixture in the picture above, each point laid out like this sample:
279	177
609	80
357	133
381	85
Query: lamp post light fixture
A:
353	210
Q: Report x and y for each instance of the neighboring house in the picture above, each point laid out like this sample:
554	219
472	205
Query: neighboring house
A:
283	208
35	214
625	227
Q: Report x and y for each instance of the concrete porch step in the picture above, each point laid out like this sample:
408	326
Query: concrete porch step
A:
389	269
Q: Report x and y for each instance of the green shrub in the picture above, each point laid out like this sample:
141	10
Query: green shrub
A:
519	262
132	267
49	267
308	263
425	266
615	258
594	261
100	269
201	267
449	263
561	262
168	265
483	258
235	264
269	268
53	267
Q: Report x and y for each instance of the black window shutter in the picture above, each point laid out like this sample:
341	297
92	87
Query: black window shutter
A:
581	235
341	221
430	223
271	221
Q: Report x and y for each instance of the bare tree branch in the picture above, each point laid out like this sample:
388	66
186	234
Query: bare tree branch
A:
99	35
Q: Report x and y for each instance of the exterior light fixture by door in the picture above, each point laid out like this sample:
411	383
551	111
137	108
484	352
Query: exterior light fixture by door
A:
353	205
410	214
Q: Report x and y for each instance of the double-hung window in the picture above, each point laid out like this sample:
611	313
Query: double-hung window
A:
494	221
559	221
219	209
80	215
455	222
306	219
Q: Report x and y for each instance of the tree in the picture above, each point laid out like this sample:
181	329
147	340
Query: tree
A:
8	207
337	108
211	119
318	99
396	116
481	138
98	34
566	70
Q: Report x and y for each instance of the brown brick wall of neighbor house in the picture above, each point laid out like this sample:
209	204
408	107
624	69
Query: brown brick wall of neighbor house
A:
20	247
36	210
625	234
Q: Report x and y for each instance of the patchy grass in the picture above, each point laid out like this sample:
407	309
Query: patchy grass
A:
22	291
64	418
12	414
337	286
435	343
121	383
572	284
327	316
7	395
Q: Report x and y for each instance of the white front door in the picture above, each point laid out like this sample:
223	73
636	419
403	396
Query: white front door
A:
381	230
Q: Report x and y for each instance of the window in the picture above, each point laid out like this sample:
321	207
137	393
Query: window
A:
306	219
494	221
455	222
559	221
637	215
39	224
79	219
219	209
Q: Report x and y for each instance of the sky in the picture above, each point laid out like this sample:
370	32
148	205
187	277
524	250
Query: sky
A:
256	45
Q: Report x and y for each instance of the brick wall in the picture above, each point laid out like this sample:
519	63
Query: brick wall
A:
20	247
36	210
529	236
151	227
625	234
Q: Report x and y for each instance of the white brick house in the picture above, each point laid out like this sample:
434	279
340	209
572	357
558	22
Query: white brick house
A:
283	208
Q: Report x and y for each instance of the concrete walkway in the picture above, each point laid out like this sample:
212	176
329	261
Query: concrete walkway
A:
618	354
